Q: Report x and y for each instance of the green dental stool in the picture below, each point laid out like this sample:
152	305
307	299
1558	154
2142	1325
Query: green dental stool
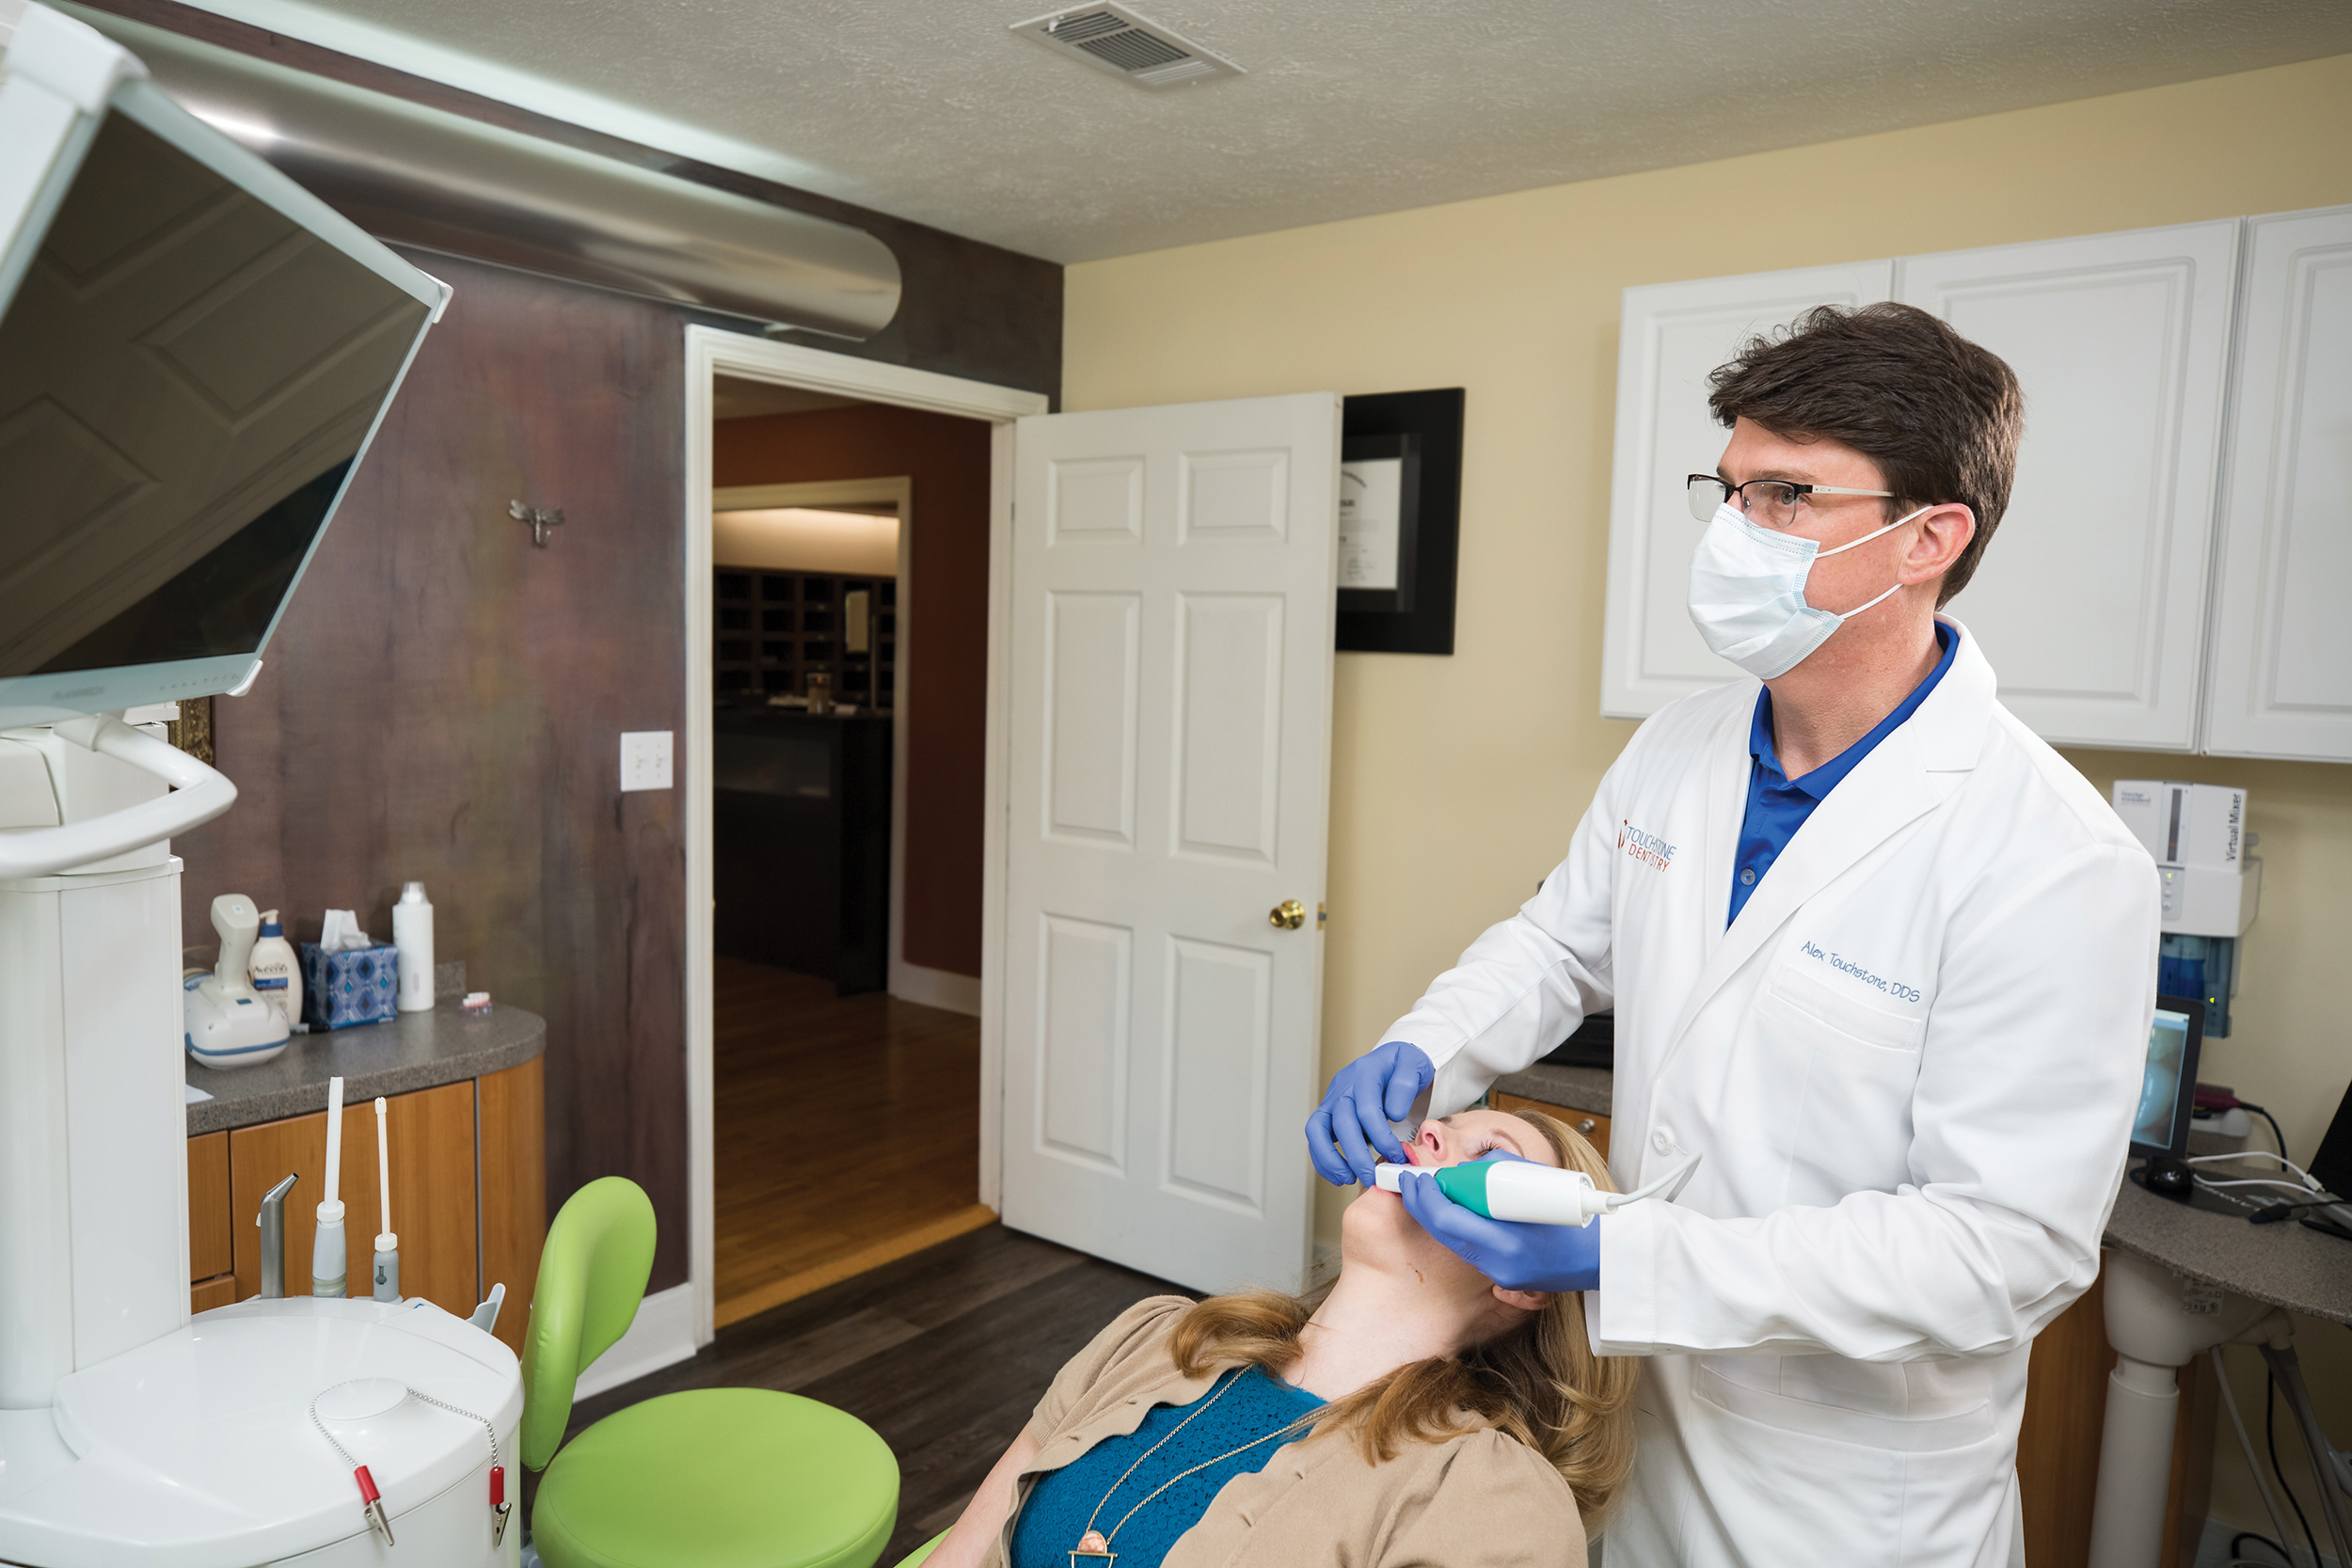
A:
712	1478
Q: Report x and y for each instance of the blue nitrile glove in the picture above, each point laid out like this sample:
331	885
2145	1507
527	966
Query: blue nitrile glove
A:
1516	1257
1349	1132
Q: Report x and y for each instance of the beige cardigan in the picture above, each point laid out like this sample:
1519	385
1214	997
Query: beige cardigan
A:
1478	1500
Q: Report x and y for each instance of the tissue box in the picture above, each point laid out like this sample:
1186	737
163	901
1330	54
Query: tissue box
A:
360	984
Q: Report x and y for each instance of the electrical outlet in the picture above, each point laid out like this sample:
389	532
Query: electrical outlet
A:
644	759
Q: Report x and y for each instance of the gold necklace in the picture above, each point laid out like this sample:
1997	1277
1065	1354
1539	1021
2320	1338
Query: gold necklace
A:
1096	1548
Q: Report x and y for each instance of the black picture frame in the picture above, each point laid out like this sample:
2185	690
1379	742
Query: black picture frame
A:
1425	429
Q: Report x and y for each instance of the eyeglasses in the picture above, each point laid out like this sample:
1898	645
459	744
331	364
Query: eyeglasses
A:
1771	502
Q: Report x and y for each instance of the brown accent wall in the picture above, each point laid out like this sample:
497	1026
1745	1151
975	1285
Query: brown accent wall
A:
948	459
443	702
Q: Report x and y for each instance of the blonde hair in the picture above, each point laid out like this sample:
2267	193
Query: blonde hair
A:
1539	1382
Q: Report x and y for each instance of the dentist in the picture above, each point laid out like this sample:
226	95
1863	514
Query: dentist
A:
1878	955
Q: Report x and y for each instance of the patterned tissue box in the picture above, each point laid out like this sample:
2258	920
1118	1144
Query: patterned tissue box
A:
356	986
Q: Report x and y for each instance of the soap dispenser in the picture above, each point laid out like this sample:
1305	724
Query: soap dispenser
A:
274	969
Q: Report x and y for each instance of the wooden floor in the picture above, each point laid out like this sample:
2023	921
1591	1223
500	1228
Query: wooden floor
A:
846	1134
945	1353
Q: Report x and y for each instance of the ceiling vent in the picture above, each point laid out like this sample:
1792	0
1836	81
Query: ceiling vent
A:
1114	39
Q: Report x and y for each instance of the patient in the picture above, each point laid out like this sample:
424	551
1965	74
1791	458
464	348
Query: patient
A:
1413	1413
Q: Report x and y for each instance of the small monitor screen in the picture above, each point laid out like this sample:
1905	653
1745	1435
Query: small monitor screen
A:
185	377
2163	1106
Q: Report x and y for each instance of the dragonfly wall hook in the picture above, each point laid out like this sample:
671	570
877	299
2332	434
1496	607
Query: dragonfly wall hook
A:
540	519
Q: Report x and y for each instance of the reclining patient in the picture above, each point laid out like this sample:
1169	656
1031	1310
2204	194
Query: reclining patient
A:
1416	1413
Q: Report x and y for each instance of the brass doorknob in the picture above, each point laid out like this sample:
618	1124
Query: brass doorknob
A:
1288	915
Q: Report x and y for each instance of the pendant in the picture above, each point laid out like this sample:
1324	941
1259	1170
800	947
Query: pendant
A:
1094	1549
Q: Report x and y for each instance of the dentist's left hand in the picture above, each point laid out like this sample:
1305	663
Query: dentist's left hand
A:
1514	1256
1349	1132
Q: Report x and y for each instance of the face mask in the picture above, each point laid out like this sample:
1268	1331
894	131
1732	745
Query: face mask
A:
1747	593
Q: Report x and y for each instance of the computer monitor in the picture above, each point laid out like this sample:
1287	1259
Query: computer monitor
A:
2167	1086
193	355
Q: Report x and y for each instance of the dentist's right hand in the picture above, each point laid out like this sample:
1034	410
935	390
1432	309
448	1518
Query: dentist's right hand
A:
1349	1132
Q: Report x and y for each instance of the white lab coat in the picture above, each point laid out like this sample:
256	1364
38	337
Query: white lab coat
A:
1911	1067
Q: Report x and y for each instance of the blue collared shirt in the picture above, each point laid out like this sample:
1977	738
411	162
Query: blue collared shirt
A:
1778	805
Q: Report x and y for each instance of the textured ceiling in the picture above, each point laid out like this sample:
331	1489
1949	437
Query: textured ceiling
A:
931	110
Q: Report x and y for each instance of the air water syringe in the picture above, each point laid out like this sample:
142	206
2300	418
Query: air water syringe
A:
387	1242
1531	1194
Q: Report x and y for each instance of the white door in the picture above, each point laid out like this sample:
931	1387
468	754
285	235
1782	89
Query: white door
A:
2090	598
1670	337
2282	681
1170	721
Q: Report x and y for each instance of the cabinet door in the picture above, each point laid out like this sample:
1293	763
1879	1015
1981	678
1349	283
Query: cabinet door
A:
432	1136
2281	670
2090	597
1670	337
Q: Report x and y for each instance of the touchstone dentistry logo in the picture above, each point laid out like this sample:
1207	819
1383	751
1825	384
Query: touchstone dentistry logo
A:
1648	849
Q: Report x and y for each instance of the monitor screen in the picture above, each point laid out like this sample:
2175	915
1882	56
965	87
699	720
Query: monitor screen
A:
2168	1088
186	377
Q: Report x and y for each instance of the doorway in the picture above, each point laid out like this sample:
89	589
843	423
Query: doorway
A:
842	520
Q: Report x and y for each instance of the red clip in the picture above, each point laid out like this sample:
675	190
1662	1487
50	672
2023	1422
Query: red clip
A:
499	1508
371	1503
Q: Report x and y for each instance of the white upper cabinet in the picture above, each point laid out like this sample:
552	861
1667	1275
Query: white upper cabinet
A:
2091	599
2281	681
1672	335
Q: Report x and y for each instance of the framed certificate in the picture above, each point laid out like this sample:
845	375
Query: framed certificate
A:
1400	521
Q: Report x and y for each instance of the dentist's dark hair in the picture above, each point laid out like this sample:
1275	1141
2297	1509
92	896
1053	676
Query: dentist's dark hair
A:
1939	415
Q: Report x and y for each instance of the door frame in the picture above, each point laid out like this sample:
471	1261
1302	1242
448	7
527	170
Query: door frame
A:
710	352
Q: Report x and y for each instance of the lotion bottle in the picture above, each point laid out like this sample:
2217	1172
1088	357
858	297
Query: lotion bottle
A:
274	969
412	935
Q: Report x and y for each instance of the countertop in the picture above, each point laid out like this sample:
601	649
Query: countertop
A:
1579	1088
416	1051
2285	1265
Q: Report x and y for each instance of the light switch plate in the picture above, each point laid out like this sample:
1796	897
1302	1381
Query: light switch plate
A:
644	759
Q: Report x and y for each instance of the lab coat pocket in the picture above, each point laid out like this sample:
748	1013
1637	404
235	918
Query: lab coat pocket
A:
1858	1063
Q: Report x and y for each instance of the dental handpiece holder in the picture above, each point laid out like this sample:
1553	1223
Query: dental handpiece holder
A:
1529	1193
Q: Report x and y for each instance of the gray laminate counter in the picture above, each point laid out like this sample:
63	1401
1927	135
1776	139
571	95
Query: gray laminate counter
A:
2285	1265
416	1051
1579	1088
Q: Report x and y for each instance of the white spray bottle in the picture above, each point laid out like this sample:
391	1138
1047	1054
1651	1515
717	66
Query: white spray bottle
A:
328	1265
386	1244
412	935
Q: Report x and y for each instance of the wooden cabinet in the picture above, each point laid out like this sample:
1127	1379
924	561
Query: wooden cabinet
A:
1594	1125
432	1194
468	1175
2090	601
2281	681
1671	335
209	1212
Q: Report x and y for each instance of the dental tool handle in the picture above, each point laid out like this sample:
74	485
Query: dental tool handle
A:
386	1244
329	1260
1516	1190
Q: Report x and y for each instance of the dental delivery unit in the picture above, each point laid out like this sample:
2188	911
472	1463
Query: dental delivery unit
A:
1531	1194
331	1431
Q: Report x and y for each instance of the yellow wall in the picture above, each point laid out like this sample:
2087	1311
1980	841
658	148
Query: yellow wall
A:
1456	781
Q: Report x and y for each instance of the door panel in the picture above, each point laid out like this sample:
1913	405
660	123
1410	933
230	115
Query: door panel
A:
1670	337
2282	680
2091	599
1172	591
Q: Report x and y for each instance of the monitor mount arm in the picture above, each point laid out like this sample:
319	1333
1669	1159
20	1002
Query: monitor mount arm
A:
199	794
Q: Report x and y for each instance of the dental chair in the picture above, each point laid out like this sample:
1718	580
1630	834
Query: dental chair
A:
711	1478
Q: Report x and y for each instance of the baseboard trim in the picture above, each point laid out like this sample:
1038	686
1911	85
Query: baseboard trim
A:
936	988
888	1250
661	1335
